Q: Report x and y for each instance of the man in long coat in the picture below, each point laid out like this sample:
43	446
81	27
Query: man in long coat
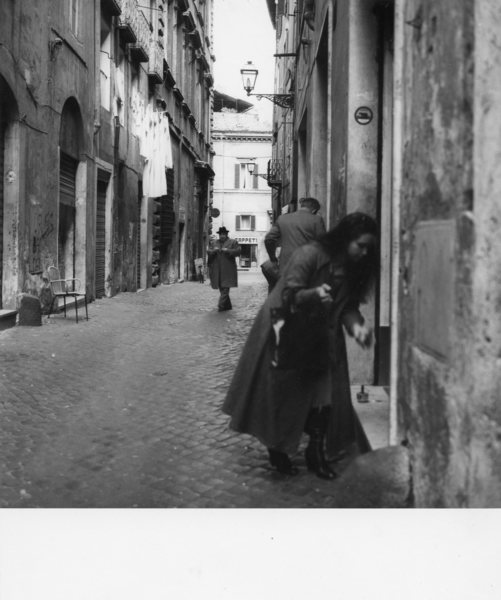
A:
293	230
223	267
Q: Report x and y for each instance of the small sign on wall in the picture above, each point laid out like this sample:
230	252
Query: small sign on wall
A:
363	115
434	269
246	240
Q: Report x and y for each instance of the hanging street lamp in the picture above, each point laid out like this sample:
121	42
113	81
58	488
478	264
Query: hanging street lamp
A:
249	75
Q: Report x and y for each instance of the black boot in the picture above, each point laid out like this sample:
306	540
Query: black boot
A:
282	462
316	427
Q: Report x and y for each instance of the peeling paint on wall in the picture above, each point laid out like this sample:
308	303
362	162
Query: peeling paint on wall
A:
449	396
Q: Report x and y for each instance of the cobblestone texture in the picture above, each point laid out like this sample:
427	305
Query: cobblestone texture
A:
124	410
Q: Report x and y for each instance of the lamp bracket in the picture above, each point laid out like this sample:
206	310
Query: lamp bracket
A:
283	100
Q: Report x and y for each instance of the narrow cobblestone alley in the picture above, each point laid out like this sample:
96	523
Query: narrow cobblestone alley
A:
124	410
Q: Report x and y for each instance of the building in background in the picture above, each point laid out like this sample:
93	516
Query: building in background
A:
105	112
393	111
242	198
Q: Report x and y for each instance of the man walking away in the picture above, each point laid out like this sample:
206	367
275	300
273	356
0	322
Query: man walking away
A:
222	266
293	230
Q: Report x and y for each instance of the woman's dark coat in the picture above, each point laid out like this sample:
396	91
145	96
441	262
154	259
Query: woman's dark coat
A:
272	404
222	266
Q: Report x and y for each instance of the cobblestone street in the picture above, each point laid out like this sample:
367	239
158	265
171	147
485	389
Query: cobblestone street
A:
124	410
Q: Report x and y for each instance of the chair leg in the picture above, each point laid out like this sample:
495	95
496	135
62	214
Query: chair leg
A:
51	305
64	299
86	313
76	307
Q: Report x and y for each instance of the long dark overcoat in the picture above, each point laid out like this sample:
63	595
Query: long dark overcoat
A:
292	230
222	266
272	404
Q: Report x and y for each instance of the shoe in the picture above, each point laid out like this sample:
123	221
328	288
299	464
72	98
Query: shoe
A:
316	427
315	461
282	462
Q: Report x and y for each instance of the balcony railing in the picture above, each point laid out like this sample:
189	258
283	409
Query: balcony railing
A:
156	62
274	173
134	29
141	49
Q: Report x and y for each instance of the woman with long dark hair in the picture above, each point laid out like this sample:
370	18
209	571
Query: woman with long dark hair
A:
278	392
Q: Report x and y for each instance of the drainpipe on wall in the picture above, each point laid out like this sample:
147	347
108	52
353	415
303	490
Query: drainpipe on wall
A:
395	212
97	71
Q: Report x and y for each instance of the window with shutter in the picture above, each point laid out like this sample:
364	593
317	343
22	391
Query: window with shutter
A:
255	178
246	222
237	227
237	176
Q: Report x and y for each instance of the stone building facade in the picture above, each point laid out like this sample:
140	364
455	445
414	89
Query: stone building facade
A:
448	186
333	140
394	113
84	87
242	198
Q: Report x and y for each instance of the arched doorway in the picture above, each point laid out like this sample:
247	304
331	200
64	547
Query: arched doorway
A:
9	195
72	185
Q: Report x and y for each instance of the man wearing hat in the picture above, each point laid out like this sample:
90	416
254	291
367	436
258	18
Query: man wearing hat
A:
222	266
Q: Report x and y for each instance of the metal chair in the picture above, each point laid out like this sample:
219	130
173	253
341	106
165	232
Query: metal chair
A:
65	288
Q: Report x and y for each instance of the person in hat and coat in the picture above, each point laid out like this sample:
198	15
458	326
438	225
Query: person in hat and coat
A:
222	266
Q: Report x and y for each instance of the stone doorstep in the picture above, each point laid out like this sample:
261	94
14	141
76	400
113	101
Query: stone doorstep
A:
373	414
7	318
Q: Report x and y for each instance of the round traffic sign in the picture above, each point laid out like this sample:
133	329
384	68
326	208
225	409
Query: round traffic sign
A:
363	115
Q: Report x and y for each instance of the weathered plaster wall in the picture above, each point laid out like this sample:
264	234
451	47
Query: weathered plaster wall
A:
125	226
41	80
361	160
312	118
283	118
170	268
361	148
45	63
449	397
337	72
339	84
129	165
484	473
